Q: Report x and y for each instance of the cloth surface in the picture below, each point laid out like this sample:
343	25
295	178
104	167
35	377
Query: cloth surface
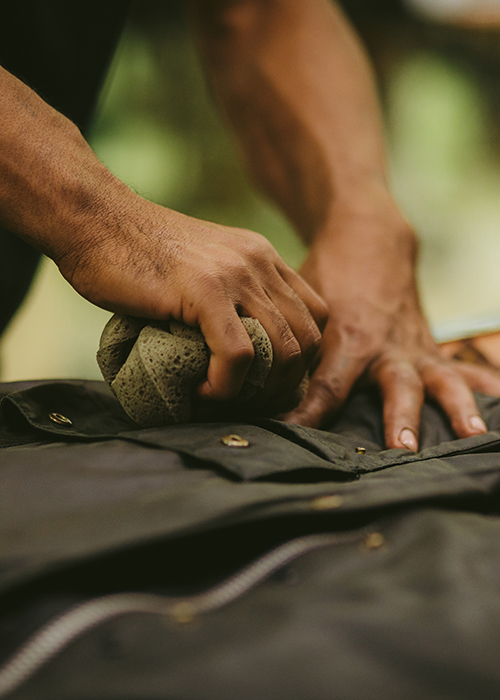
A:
401	602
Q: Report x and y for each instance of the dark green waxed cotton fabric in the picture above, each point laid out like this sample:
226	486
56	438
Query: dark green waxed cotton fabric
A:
402	600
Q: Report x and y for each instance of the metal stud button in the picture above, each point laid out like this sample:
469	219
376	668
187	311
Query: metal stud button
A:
327	502
183	612
374	540
234	441
60	419
360	450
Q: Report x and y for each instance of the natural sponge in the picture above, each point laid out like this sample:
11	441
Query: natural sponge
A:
154	368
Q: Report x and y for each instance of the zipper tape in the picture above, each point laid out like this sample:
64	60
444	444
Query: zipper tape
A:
56	635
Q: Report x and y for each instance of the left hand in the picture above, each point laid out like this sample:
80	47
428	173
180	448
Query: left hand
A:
364	268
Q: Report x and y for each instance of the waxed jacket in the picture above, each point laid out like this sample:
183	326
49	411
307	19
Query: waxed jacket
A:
244	560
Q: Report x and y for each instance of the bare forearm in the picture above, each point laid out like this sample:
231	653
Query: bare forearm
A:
298	88
52	186
300	93
132	256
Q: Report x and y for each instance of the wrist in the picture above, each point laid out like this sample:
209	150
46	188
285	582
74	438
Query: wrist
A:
364	210
366	240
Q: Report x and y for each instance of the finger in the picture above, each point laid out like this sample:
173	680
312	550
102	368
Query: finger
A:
450	390
478	378
314	303
308	336
328	389
231	353
294	335
286	348
232	350
403	397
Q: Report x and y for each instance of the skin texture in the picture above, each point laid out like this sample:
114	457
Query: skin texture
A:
299	92
132	256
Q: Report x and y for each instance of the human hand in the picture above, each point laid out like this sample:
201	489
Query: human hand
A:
376	329
160	264
134	257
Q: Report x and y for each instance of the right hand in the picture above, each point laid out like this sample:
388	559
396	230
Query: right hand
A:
156	263
131	256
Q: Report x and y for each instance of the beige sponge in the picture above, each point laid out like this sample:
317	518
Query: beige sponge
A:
154	368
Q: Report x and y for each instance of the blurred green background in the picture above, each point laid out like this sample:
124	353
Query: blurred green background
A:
157	130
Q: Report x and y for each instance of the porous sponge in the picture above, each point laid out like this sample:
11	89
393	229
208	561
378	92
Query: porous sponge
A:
154	368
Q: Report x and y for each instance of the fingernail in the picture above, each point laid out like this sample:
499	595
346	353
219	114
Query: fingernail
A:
408	439
477	424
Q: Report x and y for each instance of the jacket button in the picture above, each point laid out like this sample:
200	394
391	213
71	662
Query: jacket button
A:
327	502
360	450
234	441
374	540
60	419
183	612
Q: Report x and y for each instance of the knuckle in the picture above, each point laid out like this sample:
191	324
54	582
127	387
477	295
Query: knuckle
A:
210	280
293	339
259	240
224	272
238	349
239	275
256	248
286	347
240	355
312	343
290	351
357	341
330	391
437	374
396	371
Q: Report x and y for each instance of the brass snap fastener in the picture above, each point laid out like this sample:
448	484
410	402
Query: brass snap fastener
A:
327	502
60	419
182	613
360	450
374	540
234	441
